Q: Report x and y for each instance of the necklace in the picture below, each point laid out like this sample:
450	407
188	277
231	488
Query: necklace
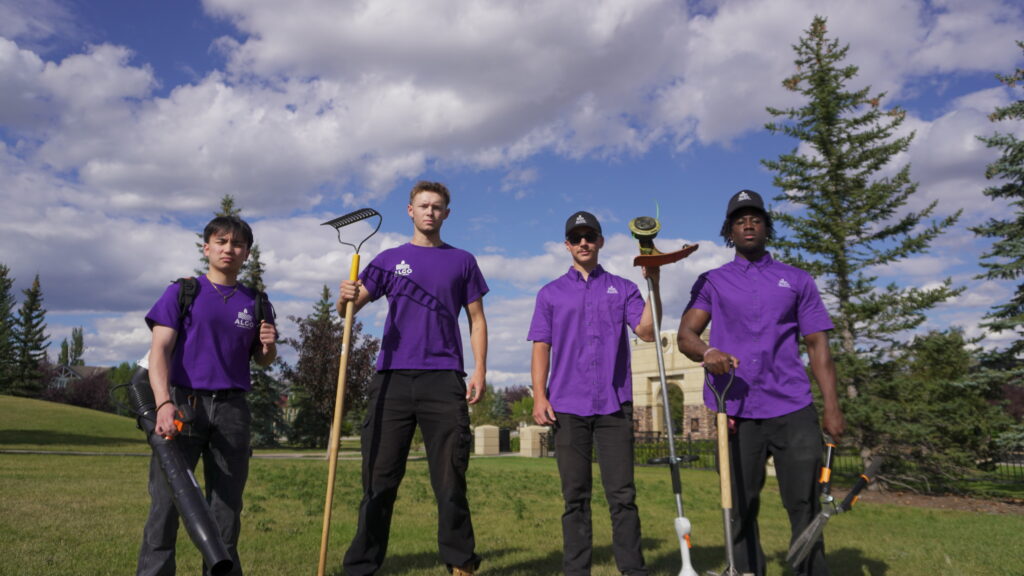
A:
223	295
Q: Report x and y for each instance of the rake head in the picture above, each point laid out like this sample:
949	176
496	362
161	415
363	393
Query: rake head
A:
351	218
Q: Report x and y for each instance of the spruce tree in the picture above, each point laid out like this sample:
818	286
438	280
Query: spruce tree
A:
1005	260
76	353
7	328
846	213
64	358
850	218
1004	369
30	342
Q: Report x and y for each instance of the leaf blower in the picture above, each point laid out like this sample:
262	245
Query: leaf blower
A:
188	497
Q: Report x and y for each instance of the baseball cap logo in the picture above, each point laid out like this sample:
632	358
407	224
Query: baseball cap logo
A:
580	219
743	196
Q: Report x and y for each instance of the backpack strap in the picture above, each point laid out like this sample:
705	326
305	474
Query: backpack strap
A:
187	289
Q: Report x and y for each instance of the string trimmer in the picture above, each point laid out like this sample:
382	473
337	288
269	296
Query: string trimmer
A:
644	229
339	399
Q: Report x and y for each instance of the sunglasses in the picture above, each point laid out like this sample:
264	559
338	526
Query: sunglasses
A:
575	238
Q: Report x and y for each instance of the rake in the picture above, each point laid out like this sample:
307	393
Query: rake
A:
339	399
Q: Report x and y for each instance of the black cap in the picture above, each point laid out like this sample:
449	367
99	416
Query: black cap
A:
582	219
744	199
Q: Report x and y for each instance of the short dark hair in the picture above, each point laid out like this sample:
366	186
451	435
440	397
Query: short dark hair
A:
233	224
769	227
428	186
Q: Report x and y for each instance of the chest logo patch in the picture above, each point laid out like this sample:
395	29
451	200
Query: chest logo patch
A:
783	283
245	320
612	290
402	269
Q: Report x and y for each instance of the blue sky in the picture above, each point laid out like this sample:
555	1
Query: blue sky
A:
123	123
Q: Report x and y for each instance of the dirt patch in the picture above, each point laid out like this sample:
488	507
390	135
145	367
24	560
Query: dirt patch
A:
961	503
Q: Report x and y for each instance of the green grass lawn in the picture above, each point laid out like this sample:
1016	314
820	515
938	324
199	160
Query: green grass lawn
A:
83	514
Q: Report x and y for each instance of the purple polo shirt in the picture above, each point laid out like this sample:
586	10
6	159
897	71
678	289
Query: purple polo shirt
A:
213	344
585	323
758	312
426	288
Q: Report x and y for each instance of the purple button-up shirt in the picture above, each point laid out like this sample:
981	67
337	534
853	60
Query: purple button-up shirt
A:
585	323
758	312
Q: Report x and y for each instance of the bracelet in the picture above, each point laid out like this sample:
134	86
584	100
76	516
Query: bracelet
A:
168	401
705	354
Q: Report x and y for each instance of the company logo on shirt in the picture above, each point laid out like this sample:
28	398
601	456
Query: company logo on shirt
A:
402	269
612	290
245	319
783	283
743	196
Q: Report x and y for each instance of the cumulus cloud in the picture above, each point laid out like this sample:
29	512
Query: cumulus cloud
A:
328	105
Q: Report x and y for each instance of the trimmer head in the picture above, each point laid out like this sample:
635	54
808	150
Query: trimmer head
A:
351	218
645	229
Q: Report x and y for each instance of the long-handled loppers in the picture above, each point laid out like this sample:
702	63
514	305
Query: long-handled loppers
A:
805	542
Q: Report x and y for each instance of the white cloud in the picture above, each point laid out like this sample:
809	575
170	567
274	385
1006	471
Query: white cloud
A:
329	103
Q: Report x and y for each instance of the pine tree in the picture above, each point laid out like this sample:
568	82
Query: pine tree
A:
314	378
1004	369
76	352
1005	260
30	342
265	399
64	358
7	328
935	420
850	217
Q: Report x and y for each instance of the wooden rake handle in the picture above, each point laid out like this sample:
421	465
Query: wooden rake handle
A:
339	404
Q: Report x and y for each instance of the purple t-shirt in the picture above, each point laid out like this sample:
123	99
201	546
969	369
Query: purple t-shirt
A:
214	342
758	312
426	288
585	323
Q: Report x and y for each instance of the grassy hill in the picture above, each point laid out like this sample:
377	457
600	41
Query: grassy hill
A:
37	425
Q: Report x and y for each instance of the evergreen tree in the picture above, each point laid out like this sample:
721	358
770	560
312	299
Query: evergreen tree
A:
30	342
64	358
933	420
1004	369
1005	260
850	217
77	350
7	328
314	377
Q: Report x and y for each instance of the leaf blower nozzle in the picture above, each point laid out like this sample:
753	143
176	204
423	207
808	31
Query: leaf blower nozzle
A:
185	492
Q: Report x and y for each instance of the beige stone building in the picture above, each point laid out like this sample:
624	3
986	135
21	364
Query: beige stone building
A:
681	372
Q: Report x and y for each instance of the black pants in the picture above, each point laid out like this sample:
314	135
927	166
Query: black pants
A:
220	434
574	441
795	441
398	401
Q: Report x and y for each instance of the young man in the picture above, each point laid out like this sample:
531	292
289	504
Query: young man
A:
760	308
420	380
201	359
579	337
